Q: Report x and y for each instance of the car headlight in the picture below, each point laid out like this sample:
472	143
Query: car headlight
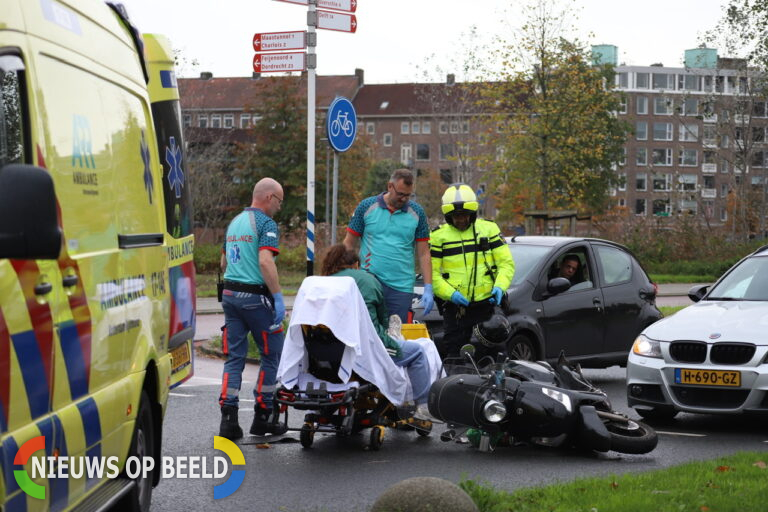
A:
494	411
645	346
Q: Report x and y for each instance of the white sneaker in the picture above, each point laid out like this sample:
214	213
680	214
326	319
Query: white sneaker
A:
395	329
422	413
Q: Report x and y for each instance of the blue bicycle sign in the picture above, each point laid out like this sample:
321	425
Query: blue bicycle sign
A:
341	124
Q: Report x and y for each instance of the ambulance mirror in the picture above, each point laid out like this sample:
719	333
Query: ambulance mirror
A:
29	227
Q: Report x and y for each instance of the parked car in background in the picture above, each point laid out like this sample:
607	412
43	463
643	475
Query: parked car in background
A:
711	357
593	318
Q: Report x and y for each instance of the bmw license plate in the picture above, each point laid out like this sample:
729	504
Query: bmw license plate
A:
707	377
180	357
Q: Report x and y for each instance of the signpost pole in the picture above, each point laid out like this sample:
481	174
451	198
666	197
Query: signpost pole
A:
311	64
335	195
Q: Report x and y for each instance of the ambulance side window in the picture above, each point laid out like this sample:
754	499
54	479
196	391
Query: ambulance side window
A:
13	149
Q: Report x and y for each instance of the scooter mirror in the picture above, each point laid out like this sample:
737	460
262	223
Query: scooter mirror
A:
467	351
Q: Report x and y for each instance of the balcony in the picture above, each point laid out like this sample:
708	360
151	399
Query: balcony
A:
742	119
711	118
709	143
709	168
708	193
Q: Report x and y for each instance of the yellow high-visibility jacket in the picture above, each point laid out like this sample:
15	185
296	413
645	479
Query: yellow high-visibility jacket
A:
472	261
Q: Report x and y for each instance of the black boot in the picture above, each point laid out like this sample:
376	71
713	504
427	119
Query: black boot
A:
230	428
265	423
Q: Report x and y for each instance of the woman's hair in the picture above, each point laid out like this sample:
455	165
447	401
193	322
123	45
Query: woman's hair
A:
337	258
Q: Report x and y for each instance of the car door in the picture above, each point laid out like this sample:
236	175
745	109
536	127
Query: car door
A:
573	321
621	295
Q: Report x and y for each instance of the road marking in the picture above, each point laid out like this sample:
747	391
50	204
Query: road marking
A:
179	394
685	434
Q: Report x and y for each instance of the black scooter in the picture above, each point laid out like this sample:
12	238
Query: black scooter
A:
533	402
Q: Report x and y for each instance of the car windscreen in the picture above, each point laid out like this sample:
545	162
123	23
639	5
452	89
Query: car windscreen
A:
526	258
748	281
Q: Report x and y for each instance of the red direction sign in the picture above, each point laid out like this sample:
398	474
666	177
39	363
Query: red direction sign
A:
273	41
279	62
329	20
337	5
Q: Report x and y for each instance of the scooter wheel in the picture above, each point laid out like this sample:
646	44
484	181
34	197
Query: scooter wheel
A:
307	435
632	437
377	437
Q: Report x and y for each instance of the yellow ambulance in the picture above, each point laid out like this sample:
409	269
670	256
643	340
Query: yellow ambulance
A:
97	285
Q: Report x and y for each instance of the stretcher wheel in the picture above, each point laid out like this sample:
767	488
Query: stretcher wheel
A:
307	435
424	428
377	437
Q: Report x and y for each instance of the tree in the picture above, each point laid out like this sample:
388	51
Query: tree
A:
378	175
556	135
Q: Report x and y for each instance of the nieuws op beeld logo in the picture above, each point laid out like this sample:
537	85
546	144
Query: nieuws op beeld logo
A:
183	466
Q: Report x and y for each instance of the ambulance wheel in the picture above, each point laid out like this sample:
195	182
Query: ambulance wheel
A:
307	435
377	437
142	445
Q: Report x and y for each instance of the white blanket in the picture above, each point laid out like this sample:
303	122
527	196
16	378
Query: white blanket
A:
336	303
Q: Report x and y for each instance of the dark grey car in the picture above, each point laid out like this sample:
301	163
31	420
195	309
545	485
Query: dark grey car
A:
594	318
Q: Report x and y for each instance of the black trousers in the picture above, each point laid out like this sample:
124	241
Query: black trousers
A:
458	322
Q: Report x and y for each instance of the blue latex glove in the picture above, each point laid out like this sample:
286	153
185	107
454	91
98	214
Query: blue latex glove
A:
458	299
427	299
496	295
279	310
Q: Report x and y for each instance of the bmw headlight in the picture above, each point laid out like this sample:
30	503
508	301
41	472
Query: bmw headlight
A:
494	411
645	346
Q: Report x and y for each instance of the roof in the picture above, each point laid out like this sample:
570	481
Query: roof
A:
235	93
410	99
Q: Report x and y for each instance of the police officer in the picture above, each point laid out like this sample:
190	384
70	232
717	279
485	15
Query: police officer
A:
471	267
252	301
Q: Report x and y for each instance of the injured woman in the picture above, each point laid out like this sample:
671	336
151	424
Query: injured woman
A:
375	348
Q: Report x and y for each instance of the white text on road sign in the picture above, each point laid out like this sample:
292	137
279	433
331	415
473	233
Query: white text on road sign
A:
274	41
336	21
277	62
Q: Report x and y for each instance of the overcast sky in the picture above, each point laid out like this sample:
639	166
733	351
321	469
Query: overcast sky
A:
396	40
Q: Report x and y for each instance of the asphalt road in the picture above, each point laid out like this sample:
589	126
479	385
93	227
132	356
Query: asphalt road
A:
338	474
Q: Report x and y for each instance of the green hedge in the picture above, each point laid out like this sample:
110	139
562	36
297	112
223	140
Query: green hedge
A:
207	258
693	268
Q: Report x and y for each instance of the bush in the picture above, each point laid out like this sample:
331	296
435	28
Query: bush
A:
207	258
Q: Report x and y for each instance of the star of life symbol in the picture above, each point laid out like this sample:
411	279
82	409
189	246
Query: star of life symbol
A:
148	185
234	254
176	174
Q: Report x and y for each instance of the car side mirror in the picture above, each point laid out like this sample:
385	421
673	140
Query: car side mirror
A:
557	285
29	226
698	292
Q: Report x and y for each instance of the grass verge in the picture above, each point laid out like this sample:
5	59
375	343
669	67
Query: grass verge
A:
733	483
670	310
289	280
681	278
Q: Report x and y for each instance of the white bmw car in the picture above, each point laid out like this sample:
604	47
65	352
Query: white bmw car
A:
711	357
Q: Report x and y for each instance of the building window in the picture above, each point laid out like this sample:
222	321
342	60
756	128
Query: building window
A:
426	127
662	131
723	214
446	175
623	157
415	127
622	182
641	130
446	151
661	207
758	159
689	132
465	127
688	157
229	120
202	121
387	139
642	80
691	107
443	127
370	128
758	134
422	151
709	133
688	182
622	202
622	80
245	121
664	81
639	206
723	189
641	157
662	156
454	127
216	121
406	154
689	82
641	182
623	106
405	127
662	106
187	120
708	182
661	182
642	104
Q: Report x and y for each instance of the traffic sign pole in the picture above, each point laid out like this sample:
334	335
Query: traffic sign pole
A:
335	196
312	41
